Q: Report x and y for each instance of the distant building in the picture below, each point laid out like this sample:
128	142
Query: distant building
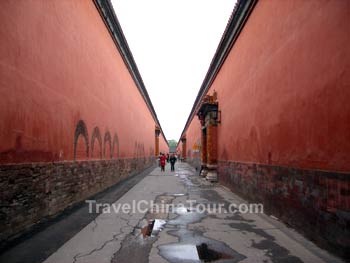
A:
172	149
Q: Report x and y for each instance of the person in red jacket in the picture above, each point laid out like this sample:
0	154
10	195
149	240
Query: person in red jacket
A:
162	162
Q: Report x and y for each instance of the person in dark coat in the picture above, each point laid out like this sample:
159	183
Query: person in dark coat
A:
172	160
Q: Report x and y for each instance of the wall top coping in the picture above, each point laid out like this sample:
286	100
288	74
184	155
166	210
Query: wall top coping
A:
106	11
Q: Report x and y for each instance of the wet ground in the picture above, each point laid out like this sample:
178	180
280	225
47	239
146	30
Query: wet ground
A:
188	220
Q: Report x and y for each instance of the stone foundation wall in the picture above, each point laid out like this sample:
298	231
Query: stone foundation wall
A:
31	192
316	203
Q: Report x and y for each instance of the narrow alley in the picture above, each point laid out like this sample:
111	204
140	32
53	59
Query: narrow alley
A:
179	232
249	99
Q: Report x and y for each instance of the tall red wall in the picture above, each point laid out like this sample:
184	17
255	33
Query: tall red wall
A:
59	65
284	136
65	94
284	89
193	139
163	145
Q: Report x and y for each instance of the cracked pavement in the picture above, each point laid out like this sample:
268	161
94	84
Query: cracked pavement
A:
237	237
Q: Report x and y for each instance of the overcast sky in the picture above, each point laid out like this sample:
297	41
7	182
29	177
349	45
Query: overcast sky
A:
173	43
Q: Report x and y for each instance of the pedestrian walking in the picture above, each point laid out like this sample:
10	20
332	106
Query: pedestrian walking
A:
162	162
172	160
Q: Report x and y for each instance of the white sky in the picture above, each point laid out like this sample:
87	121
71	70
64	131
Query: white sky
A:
173	43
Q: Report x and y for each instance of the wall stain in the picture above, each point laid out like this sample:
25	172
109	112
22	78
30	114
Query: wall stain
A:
81	130
107	140
115	146
96	135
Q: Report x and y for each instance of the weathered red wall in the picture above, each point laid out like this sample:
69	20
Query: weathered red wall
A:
163	145
63	86
59	65
284	93
193	137
284	89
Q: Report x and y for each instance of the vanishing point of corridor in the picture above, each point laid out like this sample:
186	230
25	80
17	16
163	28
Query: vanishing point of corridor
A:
262	159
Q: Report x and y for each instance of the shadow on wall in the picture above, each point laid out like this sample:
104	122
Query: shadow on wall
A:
110	149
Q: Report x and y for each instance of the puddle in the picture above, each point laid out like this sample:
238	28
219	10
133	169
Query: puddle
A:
192	246
184	178
153	227
176	194
209	255
194	253
158	226
137	245
176	253
185	217
181	210
198	253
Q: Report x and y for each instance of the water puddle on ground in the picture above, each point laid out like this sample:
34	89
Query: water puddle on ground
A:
137	245
195	253
153	227
181	252
158	226
210	255
176	195
192	245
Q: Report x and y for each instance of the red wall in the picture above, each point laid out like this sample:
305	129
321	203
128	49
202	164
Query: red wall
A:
193	136
163	145
284	89
59	65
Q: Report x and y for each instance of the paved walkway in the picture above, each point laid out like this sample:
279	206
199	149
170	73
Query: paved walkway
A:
177	229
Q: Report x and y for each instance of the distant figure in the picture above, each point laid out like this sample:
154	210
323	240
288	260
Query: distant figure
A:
167	157
162	162
172	160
